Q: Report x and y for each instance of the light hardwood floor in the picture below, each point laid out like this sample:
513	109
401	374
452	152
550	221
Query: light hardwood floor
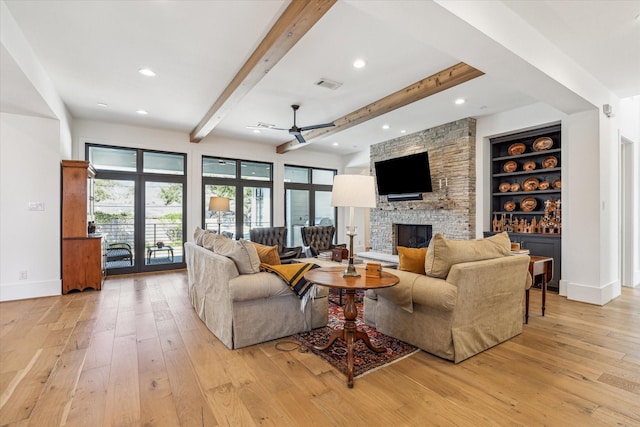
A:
135	354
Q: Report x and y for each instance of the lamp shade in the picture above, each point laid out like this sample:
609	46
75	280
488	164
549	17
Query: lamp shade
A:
219	204
356	191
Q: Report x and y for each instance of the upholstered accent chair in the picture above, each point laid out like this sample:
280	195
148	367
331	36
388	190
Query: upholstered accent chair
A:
272	236
319	238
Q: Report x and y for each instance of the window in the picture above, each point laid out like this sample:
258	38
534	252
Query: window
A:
307	200
249	188
139	207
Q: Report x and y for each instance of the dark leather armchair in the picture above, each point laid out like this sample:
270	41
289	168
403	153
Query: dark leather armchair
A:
271	236
319	238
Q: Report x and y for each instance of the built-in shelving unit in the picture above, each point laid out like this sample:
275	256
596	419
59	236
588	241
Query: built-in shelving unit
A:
526	191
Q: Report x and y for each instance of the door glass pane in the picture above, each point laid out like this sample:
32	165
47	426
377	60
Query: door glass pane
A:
227	219
256	209
115	218
297	208
297	175
323	177
170	164
324	211
255	171
114	159
163	222
218	168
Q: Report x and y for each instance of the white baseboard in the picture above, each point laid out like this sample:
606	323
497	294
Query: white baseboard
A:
23	290
593	295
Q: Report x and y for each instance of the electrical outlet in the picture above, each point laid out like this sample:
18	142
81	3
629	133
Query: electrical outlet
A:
23	275
36	206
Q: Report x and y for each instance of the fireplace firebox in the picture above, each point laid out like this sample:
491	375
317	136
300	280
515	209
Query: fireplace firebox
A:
411	235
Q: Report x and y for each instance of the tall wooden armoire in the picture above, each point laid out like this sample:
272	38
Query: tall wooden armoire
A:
83	260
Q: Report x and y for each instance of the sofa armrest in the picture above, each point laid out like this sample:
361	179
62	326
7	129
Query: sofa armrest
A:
434	293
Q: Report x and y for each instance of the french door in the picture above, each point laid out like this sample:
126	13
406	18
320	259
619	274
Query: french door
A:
139	208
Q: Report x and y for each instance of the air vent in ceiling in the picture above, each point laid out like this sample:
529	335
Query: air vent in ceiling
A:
329	84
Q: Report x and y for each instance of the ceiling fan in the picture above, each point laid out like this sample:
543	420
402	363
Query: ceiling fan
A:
294	130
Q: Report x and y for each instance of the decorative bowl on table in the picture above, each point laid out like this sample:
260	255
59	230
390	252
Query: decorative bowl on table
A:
529	166
510	166
542	144
528	204
517	149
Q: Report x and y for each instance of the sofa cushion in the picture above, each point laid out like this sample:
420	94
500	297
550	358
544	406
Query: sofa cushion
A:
443	253
412	259
242	252
198	235
268	254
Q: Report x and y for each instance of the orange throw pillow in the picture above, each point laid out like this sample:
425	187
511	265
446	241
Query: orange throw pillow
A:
412	259
268	254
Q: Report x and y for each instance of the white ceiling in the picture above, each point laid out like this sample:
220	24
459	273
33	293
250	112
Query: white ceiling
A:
93	49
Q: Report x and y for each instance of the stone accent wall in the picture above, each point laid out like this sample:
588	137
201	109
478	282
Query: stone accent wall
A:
451	211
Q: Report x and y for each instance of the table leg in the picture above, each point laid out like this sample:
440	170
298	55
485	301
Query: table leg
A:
544	291
526	309
350	334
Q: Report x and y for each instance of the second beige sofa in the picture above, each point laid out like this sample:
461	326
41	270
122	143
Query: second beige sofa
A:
476	305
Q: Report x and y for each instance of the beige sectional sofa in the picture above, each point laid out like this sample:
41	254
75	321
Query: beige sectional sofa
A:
474	302
239	304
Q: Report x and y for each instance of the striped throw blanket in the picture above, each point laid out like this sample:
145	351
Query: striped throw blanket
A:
293	275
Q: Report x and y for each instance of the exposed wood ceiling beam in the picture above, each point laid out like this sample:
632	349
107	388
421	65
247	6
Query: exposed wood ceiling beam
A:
428	86
294	23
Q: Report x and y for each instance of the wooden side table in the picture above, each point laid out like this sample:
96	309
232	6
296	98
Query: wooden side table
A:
332	278
539	266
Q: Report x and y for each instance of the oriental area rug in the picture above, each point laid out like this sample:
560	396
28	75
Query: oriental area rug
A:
365	360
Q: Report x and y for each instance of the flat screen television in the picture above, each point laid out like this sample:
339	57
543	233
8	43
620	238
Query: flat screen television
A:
404	175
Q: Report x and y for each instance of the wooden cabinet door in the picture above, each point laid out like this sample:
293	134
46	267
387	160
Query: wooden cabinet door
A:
81	264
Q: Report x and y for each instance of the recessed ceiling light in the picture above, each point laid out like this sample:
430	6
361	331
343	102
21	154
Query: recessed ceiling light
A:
403	131
335	144
102	104
142	112
359	63
256	131
460	101
385	126
147	72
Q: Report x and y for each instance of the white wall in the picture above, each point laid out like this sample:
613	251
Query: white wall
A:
590	255
33	140
30	240
630	179
85	131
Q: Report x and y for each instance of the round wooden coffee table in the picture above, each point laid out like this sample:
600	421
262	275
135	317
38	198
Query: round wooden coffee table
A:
332	277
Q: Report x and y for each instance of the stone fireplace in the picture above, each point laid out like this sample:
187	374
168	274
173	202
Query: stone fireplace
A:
450	209
411	235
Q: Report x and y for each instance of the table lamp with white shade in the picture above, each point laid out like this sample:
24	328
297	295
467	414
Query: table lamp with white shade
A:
353	191
219	204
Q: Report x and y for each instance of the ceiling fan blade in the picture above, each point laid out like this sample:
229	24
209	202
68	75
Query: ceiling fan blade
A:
324	125
300	138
